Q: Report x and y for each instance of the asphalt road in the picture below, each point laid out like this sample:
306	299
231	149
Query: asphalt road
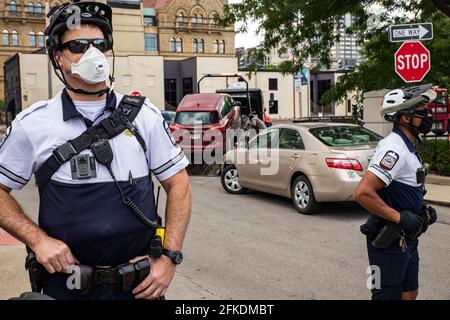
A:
256	246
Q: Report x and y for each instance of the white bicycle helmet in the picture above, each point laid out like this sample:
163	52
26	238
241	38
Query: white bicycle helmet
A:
406	100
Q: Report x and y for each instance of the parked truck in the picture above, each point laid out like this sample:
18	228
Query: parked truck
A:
440	109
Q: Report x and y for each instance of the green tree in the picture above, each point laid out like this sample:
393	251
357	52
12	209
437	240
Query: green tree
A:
306	28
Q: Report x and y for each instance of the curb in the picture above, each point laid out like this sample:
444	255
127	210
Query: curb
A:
439	180
438	202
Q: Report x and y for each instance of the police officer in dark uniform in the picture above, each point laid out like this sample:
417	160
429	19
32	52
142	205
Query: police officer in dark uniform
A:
93	153
392	189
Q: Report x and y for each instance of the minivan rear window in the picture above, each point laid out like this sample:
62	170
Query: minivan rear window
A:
345	136
197	118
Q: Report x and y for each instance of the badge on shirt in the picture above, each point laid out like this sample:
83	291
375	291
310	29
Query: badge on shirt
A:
389	160
128	133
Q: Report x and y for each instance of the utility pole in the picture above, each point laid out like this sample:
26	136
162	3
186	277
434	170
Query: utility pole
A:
293	86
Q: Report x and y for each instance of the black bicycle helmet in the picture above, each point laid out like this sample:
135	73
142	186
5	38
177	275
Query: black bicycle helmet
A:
63	16
76	13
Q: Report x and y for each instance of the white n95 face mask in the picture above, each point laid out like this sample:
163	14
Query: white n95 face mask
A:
93	66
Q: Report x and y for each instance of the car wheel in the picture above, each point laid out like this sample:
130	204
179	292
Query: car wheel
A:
230	180
303	196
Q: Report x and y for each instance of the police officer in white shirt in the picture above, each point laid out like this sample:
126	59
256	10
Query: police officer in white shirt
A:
91	212
392	190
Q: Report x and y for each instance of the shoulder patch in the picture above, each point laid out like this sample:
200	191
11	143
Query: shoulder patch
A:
389	160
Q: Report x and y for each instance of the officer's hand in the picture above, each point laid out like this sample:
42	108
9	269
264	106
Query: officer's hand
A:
410	222
158	281
54	255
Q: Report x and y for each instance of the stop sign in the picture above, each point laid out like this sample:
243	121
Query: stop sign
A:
412	61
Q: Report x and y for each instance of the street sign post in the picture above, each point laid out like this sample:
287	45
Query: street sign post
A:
410	32
412	61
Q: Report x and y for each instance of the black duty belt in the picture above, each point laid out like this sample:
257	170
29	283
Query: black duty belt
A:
124	277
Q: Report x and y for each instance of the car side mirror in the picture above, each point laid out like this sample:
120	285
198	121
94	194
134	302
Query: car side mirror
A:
238	104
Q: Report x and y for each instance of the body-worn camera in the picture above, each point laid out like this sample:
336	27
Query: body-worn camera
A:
83	167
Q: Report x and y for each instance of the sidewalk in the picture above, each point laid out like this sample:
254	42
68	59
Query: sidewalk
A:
438	190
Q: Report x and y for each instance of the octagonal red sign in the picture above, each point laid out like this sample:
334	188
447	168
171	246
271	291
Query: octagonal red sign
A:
412	61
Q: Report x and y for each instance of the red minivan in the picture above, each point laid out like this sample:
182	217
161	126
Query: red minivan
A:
202	120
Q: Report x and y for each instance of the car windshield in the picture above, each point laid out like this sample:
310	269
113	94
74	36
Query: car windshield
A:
345	136
168	116
197	118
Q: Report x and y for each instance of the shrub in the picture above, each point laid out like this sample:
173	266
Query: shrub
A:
437	154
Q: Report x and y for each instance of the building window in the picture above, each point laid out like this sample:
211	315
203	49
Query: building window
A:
323	85
41	39
195	45
212	16
32	38
187	86
180	19
273	84
5	38
30	7
194	19
273	108
200	19
13	6
170	91
39	8
216	46
349	106
149	21
222	47
15	38
180	45
173	45
151	42
201	46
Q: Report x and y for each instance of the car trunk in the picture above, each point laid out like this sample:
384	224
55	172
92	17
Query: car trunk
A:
363	154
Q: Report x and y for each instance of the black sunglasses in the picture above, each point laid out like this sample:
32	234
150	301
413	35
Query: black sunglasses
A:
82	45
422	113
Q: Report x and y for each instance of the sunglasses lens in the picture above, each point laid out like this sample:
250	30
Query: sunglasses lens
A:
78	46
100	44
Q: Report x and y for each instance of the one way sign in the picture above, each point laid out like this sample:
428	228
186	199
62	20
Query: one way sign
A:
410	32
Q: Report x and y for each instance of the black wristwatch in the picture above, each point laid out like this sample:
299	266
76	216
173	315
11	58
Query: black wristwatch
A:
175	256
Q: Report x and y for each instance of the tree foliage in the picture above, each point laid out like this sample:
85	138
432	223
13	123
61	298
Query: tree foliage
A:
306	28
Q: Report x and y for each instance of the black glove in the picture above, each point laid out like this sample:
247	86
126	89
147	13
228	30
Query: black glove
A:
411	223
432	214
429	215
